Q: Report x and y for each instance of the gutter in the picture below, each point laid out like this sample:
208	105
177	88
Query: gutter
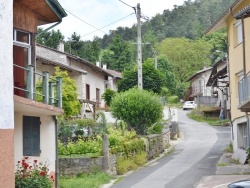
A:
56	151
57	23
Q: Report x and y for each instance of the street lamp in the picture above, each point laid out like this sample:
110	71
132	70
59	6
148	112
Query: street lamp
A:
226	56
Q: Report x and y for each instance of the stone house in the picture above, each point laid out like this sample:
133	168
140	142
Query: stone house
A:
27	127
200	92
236	20
219	83
91	79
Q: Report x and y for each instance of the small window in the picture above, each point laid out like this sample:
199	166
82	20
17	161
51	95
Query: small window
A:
238	26
31	136
87	92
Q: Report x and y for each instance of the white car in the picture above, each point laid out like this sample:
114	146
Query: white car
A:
189	105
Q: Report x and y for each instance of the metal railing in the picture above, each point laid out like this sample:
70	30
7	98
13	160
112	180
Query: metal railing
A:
47	88
244	89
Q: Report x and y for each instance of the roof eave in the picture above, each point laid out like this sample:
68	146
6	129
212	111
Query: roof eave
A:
57	8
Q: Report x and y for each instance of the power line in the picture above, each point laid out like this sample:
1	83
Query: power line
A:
85	21
127	4
108	25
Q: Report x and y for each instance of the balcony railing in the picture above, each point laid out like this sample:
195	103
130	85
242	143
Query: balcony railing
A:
244	93
45	91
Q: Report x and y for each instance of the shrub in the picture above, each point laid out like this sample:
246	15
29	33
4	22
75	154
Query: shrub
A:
32	174
173	99
138	108
108	95
155	128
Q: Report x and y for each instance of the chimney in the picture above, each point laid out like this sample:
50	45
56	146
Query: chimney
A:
98	64
60	46
104	67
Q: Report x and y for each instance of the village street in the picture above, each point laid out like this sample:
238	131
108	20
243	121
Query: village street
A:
194	157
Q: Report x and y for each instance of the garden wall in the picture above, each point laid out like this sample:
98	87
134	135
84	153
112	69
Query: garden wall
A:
72	166
157	143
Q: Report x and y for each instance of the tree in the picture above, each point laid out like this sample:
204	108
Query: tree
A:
153	79
186	56
140	109
108	95
121	56
70	103
49	38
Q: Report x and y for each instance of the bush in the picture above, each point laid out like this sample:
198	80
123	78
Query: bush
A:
173	99
108	95
155	128
138	108
32	174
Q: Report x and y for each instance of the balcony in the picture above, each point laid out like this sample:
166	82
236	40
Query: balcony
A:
48	90
244	93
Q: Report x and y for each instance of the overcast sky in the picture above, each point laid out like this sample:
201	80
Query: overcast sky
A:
100	13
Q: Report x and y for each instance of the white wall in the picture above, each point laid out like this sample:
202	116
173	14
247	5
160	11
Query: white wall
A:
6	65
47	140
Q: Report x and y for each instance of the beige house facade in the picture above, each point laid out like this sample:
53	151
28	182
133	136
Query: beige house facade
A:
236	20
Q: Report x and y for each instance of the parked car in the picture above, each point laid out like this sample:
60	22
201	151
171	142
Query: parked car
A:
189	105
240	184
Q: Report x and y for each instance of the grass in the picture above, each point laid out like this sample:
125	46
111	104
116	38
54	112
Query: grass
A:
177	105
222	164
199	116
229	148
93	180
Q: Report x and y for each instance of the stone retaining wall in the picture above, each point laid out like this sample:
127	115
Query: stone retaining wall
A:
73	166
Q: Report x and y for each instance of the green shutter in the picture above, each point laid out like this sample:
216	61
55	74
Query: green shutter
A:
31	136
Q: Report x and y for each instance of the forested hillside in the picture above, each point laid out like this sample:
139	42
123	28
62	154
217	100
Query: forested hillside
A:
175	34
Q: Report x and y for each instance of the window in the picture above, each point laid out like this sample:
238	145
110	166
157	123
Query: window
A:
31	136
97	97
242	135
21	58
87	91
239	37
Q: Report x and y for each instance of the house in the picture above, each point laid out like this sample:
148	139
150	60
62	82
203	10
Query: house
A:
219	83
28	127
200	93
236	20
91	79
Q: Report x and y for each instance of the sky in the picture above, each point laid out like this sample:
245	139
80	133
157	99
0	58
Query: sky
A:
100	13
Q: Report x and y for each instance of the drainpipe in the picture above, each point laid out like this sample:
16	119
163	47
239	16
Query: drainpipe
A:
57	23
56	162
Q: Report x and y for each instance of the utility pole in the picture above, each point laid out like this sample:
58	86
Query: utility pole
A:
139	58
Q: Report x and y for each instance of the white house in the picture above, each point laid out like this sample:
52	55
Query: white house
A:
91	79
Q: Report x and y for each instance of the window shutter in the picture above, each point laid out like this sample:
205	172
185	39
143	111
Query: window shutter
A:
31	136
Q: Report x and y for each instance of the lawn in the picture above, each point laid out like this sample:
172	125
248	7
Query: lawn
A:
197	116
93	180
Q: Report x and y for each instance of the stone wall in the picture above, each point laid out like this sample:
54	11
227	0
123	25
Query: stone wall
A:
157	143
74	166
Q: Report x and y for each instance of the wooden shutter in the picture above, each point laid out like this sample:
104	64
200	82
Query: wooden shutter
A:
31	136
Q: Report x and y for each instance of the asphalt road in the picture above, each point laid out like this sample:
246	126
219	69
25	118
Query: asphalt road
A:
194	157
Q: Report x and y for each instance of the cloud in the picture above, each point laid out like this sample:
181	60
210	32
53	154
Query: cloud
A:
99	13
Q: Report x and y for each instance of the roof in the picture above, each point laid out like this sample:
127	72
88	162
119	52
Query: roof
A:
215	74
47	11
114	73
66	67
76	58
198	72
243	13
221	21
